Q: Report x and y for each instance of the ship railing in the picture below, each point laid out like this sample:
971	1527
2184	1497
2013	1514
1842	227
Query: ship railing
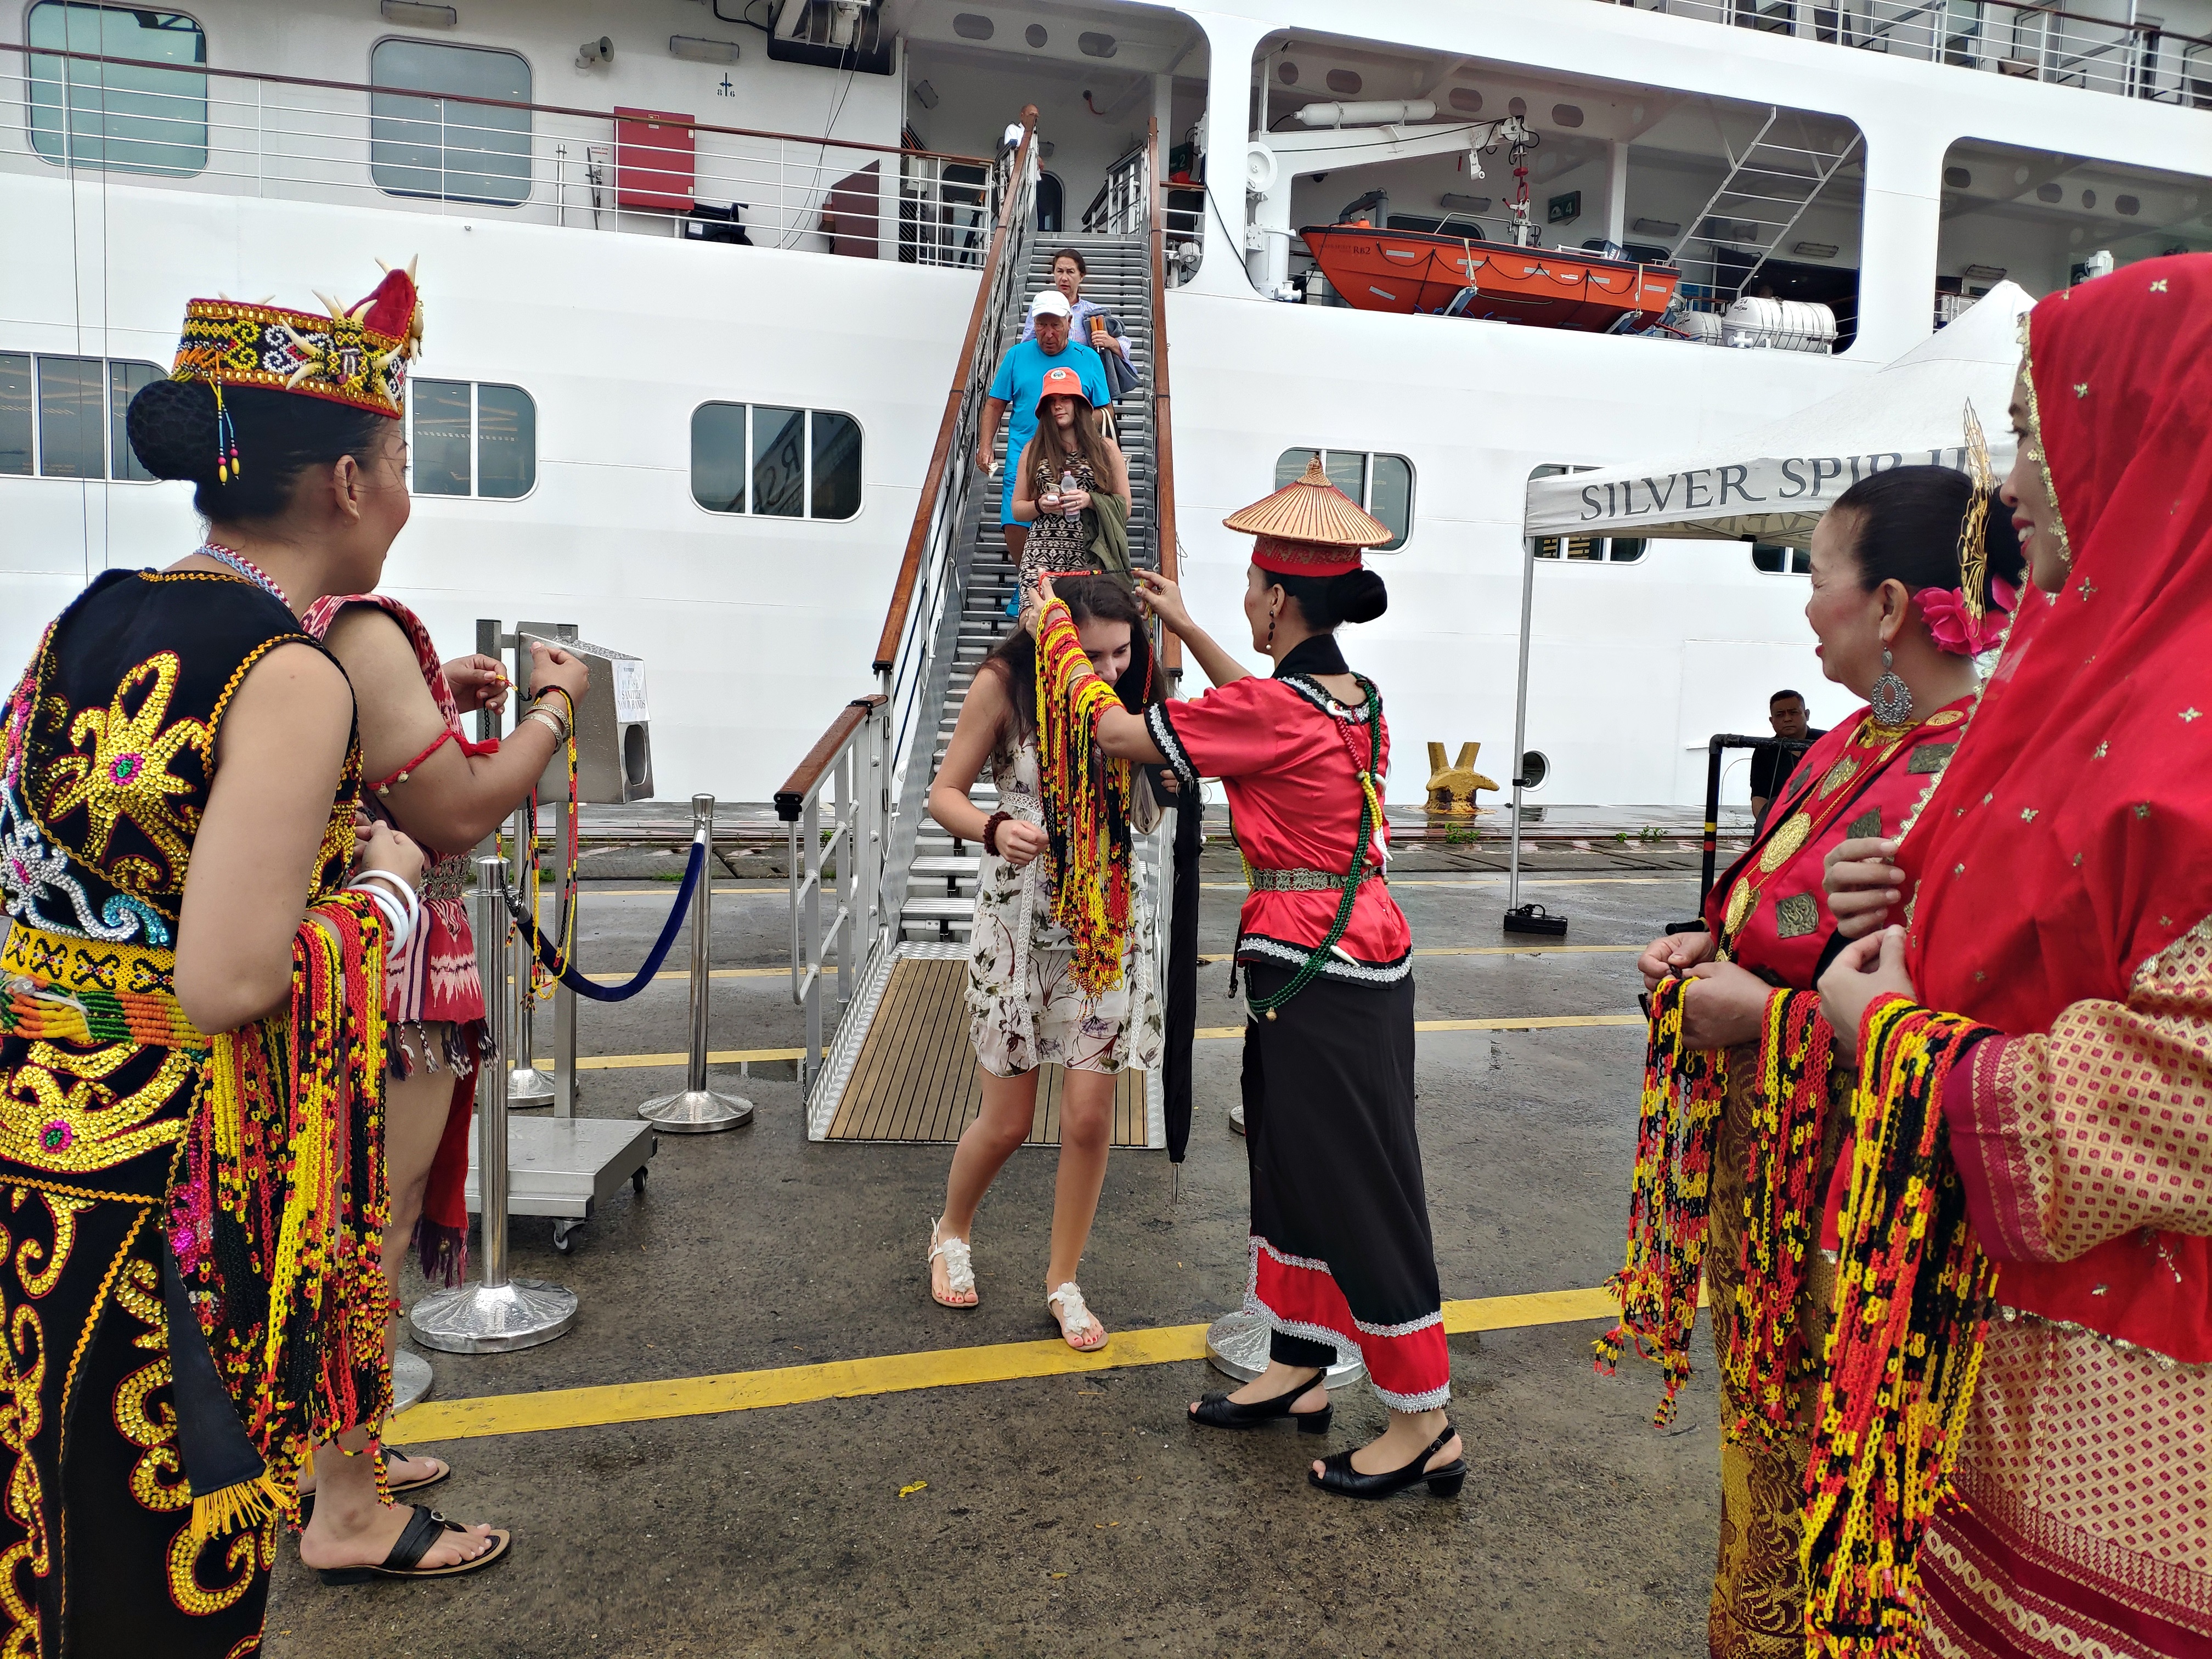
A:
214	131
882	756
2039	43
840	861
1166	548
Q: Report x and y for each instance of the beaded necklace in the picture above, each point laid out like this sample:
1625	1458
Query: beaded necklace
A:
246	568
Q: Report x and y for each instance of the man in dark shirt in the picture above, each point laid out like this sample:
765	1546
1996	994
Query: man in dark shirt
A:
1770	768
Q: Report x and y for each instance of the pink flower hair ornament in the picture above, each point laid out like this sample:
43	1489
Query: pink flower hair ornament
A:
1944	609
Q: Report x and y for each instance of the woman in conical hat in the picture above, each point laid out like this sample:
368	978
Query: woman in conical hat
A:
192	1037
1341	1257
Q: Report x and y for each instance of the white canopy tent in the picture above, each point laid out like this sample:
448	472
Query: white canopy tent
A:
1771	483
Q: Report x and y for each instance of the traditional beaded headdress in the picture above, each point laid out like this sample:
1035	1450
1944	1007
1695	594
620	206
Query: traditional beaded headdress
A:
355	355
1309	527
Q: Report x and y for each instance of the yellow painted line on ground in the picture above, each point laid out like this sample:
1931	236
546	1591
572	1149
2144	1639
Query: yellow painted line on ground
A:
732	1056
439	1421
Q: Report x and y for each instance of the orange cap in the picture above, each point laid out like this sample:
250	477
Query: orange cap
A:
1061	382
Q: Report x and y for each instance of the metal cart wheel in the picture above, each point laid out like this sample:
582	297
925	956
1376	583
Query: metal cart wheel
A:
564	1235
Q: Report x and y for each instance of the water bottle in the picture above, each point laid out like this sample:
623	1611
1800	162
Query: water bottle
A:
1068	485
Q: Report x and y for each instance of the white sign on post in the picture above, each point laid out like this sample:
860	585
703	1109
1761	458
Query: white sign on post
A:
629	689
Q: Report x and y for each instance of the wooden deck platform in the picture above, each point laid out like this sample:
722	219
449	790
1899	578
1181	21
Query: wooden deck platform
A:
915	1080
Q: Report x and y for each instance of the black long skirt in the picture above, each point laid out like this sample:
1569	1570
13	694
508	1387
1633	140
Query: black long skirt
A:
1341	1250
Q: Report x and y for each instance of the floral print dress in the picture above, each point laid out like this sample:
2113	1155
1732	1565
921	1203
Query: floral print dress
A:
1024	1008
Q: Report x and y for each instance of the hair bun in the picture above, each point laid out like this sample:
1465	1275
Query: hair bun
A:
172	427
1358	596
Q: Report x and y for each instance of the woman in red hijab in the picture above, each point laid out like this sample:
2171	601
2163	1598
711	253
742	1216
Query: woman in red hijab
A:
2043	1149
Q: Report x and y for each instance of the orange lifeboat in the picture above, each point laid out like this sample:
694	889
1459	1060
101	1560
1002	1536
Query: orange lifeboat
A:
1411	272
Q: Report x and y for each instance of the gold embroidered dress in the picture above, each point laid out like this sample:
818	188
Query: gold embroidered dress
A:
107	753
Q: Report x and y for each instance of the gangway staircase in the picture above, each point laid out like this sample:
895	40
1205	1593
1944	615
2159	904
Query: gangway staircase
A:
898	1066
1764	192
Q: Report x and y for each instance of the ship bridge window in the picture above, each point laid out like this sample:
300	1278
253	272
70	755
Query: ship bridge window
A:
133	117
1382	484
430	145
1778	560
767	461
62	417
466	439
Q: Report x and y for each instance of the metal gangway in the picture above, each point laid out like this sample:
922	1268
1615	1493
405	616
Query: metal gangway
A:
881	898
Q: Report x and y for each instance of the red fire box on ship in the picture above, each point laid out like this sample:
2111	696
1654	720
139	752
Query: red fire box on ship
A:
653	157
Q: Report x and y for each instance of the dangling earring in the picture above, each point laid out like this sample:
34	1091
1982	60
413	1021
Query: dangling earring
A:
1892	697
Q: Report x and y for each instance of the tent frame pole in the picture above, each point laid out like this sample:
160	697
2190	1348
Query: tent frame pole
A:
1520	719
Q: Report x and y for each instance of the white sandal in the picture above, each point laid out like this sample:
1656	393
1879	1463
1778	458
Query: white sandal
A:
959	1269
1065	1306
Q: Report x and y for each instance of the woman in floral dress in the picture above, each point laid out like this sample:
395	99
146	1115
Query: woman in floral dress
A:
1026	1006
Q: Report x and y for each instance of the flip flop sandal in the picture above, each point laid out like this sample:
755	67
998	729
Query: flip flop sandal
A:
392	1455
424	1528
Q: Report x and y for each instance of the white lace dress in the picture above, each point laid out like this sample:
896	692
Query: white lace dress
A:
1024	1008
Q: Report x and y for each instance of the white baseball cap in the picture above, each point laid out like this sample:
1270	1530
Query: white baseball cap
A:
1050	303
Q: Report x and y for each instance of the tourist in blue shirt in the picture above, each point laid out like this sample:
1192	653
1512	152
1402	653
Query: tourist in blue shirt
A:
1020	382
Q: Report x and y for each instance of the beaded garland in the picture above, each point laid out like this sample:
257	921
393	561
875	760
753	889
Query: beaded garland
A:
1913	1296
1766	1362
1086	797
1668	1207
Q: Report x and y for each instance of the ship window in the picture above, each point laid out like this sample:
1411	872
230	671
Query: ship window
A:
767	461
72	418
430	146
1592	550
1382	484
1778	560
124	115
125	381
15	412
466	440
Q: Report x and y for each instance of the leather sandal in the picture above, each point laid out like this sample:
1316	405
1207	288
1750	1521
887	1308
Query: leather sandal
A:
397	1488
1218	1411
1337	1474
424	1528
1068	1312
959	1270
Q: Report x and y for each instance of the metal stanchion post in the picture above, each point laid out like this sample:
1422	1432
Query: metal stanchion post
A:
526	1085
500	1313
697	1110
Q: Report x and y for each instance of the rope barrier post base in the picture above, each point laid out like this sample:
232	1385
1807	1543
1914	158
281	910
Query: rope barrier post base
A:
1237	1345
696	1110
500	1313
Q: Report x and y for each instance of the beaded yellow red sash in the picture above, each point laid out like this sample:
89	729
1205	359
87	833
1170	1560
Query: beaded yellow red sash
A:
77	990
1086	797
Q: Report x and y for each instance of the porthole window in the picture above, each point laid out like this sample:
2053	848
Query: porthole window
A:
133	117
62	417
765	461
426	145
1534	768
1382	484
466	439
1778	560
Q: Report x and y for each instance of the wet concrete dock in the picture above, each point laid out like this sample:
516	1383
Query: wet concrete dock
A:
1069	1514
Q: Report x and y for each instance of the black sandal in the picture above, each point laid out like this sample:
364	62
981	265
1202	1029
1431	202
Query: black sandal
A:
1218	1411
424	1528
1339	1476
398	1488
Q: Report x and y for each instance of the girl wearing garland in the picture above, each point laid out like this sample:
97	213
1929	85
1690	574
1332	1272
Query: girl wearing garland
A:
1340	1249
1741	1091
192	1030
2042	1147
1060	968
426	777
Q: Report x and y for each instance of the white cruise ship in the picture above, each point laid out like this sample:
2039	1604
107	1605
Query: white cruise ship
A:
714	287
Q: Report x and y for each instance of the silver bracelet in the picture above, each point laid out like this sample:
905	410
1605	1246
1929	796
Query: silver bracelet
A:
552	721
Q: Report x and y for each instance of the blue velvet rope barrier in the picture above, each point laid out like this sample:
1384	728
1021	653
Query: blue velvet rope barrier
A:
548	956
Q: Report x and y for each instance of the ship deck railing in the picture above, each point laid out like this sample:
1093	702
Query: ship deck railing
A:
2140	59
238	132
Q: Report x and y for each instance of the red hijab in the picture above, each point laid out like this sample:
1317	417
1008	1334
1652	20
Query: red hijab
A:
2071	839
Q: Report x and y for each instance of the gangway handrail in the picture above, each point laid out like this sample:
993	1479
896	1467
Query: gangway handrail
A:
852	759
1164	501
972	343
271	77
